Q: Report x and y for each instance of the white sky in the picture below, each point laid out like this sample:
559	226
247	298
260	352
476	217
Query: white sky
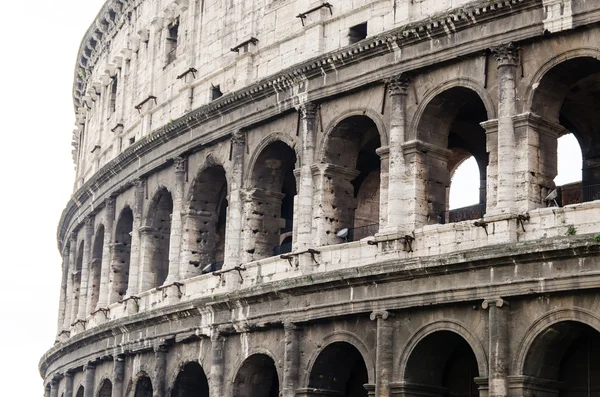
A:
39	40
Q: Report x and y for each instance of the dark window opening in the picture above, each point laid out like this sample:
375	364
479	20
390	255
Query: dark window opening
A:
132	140
172	39
215	92
113	95
357	33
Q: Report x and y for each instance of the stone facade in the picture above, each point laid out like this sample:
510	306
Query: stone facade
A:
261	201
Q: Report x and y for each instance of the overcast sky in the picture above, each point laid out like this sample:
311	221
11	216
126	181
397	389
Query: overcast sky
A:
39	40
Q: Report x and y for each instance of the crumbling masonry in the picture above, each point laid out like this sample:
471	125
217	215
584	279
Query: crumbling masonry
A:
261	201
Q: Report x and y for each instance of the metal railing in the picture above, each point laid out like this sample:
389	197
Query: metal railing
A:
575	193
358	233
462	214
282	249
214	267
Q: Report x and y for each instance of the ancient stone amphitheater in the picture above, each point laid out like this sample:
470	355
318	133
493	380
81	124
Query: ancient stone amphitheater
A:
261	201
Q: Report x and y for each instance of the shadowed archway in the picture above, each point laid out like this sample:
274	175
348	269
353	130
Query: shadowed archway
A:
191	382
257	377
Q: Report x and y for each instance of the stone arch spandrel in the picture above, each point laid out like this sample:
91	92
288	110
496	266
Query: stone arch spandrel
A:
258	150
371	114
464	82
444	325
583	52
542	323
340	336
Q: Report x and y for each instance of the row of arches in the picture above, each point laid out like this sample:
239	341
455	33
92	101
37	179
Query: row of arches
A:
563	358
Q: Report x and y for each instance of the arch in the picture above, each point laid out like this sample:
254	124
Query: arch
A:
448	122
121	256
545	322
441	360
191	381
266	141
205	221
339	369
156	238
105	389
270	200
450	326
375	117
566	91
143	386
352	180
96	265
80	392
257	377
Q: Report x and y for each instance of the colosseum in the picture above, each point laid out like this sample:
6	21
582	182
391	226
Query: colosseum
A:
261	203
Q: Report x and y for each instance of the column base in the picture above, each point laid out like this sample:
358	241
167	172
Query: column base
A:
310	392
524	386
416	390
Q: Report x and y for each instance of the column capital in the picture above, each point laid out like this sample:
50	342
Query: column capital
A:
89	223
290	326
498	302
179	163
68	375
73	238
238	138
110	204
307	110
398	85
381	315
139	183
506	54
91	366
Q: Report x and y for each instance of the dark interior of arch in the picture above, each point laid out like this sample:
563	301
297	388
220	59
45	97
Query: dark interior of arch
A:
257	378
191	382
159	220
340	368
105	389
568	352
77	279
570	94
79	392
273	212
444	360
352	144
209	203
96	265
143	387
122	254
452	121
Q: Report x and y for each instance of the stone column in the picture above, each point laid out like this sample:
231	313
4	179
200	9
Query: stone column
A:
396	205
54	387
384	360
90	372
303	215
491	139
72	306
68	385
106	253
134	258
146	275
118	376
384	174
85	269
65	288
176	226
160	369
217	368
498	346
507	57
291	360
233	232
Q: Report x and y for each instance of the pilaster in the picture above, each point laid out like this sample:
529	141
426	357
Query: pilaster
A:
65	288
291	359
384	360
134	258
68	385
176	225
217	369
118	375
72	303
498	346
233	232
85	270
303	214
90	375
106	253
160	370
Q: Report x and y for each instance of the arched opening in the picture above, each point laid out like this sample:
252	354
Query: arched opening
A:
257	377
157	238
119	272
80	392
191	382
105	389
143	387
451	125
270	207
442	364
465	190
567	353
205	223
353	179
96	266
339	370
77	282
569	94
